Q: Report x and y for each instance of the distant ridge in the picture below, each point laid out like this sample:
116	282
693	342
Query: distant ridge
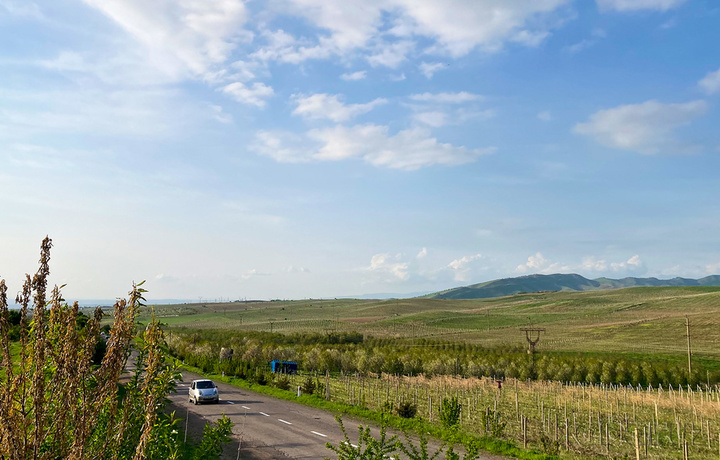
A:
561	282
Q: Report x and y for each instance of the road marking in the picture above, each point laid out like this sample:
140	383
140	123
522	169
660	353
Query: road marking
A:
319	434
285	421
266	415
245	407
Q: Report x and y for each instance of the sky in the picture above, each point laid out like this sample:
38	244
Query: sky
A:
287	149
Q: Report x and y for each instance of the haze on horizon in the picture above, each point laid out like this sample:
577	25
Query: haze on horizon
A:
304	148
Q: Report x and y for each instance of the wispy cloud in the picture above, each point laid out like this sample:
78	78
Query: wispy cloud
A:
646	128
330	107
711	83
446	98
409	149
637	5
255	94
429	69
354	76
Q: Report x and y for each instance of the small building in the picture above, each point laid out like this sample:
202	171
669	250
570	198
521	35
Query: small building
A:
283	367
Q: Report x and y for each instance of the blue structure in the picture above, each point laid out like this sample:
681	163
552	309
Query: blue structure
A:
283	367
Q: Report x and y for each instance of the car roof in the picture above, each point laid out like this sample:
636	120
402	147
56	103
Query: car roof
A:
202	380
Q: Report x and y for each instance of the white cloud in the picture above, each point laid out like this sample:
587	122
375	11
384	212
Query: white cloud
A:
632	263
253	272
434	119
711	269
22	9
431	68
539	264
182	37
294	269
220	115
422	254
251	95
409	149
636	5
461	267
388	267
645	128
535	263
711	83
455	27
446	98
354	76
282	147
530	39
545	115
391	54
593	264
460	26
432	109
122	112
329	106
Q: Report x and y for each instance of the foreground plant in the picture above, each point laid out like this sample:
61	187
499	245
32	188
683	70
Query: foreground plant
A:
54	403
367	447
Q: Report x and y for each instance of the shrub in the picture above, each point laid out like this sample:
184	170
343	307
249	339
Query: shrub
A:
406	409
450	412
214	436
491	422
283	382
308	387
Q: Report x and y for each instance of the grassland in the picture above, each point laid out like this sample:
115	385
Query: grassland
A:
632	321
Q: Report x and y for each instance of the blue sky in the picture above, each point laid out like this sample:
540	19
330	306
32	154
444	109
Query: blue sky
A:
306	148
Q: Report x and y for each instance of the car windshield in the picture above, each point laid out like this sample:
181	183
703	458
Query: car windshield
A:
205	384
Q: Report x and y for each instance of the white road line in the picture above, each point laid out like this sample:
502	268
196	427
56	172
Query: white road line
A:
245	407
266	415
284	421
319	434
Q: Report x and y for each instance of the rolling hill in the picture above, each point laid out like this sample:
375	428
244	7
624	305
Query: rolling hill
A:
562	282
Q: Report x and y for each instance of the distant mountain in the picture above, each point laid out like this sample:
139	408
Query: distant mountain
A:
561	282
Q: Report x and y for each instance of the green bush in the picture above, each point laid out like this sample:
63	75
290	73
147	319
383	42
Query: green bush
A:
406	409
450	412
282	382
214	436
309	386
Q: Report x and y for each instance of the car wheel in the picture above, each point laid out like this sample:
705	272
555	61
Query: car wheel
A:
195	401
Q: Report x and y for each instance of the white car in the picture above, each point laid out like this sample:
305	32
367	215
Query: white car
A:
203	391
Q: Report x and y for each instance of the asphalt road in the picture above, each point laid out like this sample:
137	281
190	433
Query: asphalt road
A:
274	428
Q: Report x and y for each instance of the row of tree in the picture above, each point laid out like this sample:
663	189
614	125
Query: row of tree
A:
254	350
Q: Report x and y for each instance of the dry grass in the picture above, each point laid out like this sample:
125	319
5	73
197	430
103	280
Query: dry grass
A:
53	402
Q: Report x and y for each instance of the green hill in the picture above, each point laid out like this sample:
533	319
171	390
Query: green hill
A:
562	282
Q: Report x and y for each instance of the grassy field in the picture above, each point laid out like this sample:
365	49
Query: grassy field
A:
636	320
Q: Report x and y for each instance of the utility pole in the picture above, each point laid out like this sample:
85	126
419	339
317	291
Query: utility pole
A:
687	329
532	341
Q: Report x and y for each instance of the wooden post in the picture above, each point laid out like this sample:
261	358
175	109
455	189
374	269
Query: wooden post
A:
567	435
637	446
687	328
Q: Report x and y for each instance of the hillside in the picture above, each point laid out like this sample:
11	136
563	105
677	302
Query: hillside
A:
562	282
